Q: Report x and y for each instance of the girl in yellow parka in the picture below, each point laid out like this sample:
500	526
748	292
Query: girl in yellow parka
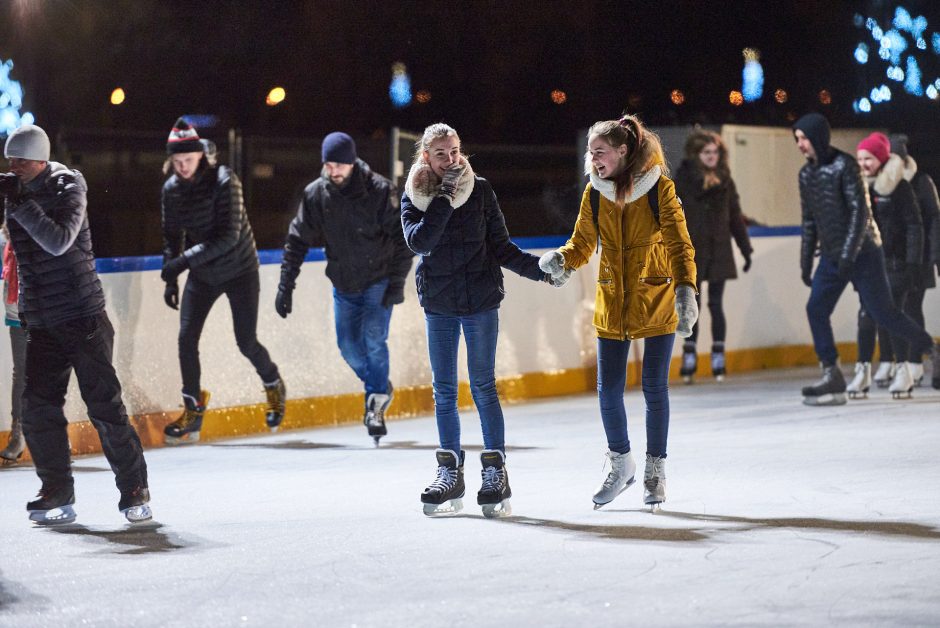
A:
645	287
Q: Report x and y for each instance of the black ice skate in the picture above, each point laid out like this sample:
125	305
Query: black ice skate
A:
689	361
277	402
828	391
374	418
54	506
135	504
494	491
186	428
444	496
718	361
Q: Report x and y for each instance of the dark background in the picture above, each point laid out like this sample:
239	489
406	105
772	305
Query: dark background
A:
490	68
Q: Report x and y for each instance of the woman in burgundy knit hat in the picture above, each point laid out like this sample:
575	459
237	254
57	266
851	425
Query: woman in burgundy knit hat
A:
898	217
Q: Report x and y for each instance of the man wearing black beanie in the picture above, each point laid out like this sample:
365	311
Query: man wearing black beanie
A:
354	212
837	222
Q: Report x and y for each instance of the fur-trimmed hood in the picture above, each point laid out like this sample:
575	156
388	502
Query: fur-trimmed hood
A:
910	168
423	185
888	178
642	184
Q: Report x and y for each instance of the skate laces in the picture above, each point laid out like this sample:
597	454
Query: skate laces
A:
612	476
446	478
374	419
275	400
492	479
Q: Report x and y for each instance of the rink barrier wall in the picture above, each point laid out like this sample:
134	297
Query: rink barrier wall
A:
547	344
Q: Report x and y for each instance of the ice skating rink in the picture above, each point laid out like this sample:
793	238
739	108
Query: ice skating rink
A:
777	515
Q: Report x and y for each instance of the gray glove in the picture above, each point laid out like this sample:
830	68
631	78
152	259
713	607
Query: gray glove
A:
559	280
553	263
451	179
687	309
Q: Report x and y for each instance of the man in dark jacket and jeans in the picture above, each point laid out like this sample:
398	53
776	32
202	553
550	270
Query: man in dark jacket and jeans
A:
837	220
62	306
354	212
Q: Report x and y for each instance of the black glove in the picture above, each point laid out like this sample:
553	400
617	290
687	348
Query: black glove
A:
171	295
283	302
807	275
173	268
393	296
10	186
845	269
747	261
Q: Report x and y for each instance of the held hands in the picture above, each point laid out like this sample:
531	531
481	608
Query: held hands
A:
283	302
687	309
171	295
552	263
450	181
173	268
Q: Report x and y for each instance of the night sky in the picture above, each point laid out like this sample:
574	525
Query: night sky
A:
489	66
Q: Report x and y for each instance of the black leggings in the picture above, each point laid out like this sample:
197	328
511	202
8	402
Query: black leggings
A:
198	298
891	348
716	291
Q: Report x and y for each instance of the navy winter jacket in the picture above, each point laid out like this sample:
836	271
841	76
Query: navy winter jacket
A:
52	242
462	251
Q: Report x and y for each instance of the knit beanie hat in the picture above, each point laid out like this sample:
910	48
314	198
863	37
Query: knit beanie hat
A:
878	145
816	129
899	145
27	142
339	148
183	139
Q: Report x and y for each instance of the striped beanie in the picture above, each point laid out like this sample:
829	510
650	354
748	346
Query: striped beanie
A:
183	139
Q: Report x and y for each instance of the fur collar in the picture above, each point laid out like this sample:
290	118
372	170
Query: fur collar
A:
642	184
910	168
423	185
887	179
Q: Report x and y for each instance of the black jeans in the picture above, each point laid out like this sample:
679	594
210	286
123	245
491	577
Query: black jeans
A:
716	291
891	347
86	345
198	298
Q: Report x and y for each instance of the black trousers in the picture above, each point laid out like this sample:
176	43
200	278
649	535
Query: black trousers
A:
85	345
198	299
716	292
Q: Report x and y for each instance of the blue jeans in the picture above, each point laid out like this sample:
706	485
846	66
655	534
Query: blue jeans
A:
871	281
480	331
362	334
612	378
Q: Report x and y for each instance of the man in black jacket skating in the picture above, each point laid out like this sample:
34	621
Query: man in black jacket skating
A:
837	221
62	306
354	212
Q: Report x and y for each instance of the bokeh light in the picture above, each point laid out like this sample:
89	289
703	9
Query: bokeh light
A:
275	97
781	96
677	97
423	96
559	97
825	97
399	90
117	96
736	98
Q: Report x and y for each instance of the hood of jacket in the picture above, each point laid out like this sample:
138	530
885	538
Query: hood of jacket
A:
423	185
816	129
910	168
642	183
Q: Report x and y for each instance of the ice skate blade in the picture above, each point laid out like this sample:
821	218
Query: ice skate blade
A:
836	399
902	394
858	394
630	482
186	439
719	378
273	429
138	514
54	516
495	511
447	509
655	507
688	379
376	440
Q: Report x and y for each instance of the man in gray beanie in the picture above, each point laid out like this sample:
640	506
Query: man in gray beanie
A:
62	306
354	212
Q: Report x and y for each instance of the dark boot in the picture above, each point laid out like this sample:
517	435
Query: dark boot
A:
277	402
186	428
494	491
53	506
828	391
135	504
445	494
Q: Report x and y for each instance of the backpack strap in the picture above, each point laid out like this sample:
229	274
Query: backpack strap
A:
653	197
595	211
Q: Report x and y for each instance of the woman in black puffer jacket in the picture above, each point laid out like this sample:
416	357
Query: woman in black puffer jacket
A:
713	214
451	219
206	230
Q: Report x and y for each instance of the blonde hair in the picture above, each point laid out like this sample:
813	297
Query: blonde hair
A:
644	150
431	133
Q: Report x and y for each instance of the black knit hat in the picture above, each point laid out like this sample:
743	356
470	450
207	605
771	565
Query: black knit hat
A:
183	139
339	148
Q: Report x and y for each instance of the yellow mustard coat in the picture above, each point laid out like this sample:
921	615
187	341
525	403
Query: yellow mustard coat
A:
641	261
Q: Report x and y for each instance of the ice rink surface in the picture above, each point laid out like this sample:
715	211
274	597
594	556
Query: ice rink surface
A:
776	515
